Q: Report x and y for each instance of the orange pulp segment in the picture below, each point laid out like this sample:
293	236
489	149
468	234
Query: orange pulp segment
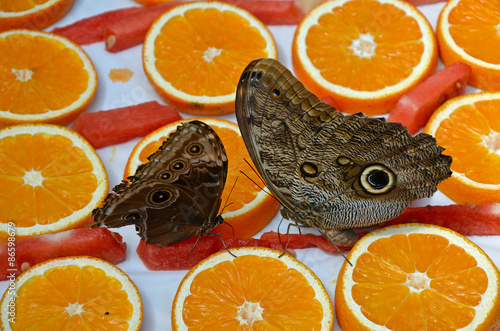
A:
468	127
255	291
418	277
51	177
74	293
194	54
364	54
29	14
43	78
468	31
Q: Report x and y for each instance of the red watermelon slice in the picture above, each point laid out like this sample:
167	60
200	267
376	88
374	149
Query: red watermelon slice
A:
22	254
467	220
114	126
416	107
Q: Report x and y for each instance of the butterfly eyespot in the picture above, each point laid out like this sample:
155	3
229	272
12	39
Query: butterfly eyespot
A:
252	76
160	197
259	76
132	217
377	179
308	169
178	165
165	175
276	93
343	161
195	149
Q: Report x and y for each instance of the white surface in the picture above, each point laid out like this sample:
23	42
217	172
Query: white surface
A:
158	288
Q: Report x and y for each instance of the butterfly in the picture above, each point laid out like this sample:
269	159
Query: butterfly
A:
177	193
329	171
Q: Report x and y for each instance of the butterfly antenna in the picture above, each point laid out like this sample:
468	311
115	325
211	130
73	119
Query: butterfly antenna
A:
230	192
262	188
223	243
345	257
253	169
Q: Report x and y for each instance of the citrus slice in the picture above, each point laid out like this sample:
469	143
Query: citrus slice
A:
51	180
417	277
363	54
73	293
468	127
258	290
249	208
195	53
29	14
468	31
44	78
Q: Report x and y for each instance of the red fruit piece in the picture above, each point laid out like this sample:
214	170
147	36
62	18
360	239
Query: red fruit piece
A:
99	242
272	12
298	241
129	31
90	30
176	257
415	108
114	126
481	220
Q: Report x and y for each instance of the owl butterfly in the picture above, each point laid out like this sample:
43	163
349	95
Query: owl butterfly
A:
329	171
177	193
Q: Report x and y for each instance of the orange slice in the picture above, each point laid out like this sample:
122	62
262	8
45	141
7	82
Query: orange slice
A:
249	208
468	127
72	293
258	290
417	277
29	14
468	31
44	78
363	54
51	180
195	53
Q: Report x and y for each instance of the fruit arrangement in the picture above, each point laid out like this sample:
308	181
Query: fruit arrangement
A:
122	123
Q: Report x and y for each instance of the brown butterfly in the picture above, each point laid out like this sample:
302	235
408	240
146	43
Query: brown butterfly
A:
329	171
177	193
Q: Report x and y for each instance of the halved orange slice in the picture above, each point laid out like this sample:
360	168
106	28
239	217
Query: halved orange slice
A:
51	180
417	277
72	293
363	54
195	53
44	78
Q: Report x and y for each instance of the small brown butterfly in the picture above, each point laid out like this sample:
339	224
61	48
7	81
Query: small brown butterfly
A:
177	193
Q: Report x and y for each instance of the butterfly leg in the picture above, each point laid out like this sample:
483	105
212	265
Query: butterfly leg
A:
299	226
326	235
223	243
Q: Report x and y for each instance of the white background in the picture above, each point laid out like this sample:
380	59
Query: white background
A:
158	287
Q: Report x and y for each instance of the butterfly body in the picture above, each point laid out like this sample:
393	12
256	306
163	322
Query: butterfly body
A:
329	171
177	193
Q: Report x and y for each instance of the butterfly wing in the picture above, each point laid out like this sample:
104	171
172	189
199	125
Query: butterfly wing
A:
162	213
331	171
191	168
192	158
